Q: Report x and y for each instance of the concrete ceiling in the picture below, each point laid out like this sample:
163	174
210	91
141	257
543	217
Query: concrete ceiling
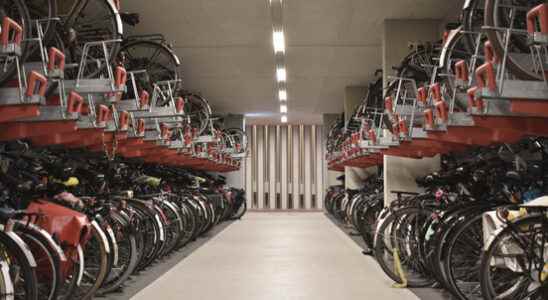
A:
226	48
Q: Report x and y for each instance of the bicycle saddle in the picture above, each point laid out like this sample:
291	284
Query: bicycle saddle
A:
130	19
9	213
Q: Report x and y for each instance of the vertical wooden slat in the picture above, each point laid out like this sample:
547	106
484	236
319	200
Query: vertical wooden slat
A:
266	167
284	178
300	181
260	167
313	167
322	169
278	168
248	174
290	189
254	168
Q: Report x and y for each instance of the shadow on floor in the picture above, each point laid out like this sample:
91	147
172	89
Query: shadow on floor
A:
136	283
422	293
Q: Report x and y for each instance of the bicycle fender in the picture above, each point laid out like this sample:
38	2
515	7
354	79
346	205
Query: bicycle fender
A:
26	250
8	284
101	235
114	244
48	237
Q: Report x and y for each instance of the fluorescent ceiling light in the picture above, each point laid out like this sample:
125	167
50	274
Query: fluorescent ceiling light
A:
284	119
283	108
281	74
279	41
282	94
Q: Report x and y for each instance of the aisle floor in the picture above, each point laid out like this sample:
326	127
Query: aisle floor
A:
281	256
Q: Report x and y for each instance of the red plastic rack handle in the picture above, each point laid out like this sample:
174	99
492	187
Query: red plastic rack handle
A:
355	138
474	101
436	92
461	70
402	127
540	13
35	80
13	29
396	129
56	59
485	76
429	118
164	131
104	114
141	127
471	97
389	104
144	99
180	105
74	103
442	111
372	136
123	120
490	54
120	77
395	125
422	95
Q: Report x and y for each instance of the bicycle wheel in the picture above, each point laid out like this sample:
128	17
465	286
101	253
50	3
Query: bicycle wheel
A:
512	14
472	20
89	21
174	226
198	110
127	254
96	258
41	10
74	269
21	266
463	259
157	59
189	224
17	11
151	227
48	260
401	232
239	209
512	265
6	286
367	218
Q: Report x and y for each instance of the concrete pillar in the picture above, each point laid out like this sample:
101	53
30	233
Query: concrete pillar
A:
400	173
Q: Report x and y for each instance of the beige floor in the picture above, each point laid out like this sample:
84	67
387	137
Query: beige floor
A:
276	256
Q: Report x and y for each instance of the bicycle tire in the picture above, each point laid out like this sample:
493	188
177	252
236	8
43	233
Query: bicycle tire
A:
37	241
15	253
494	36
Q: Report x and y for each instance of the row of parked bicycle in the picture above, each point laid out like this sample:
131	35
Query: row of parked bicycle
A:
75	225
484	83
478	98
479	229
95	130
71	77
